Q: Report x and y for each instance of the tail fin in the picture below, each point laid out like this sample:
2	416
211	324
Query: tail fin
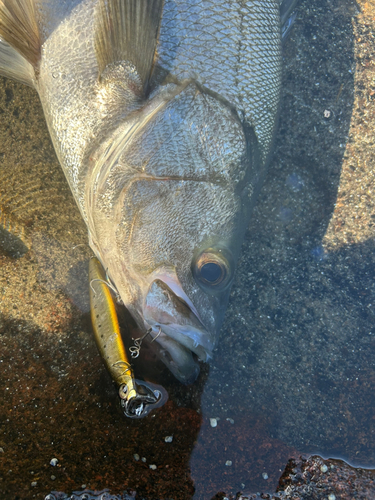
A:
19	29
13	65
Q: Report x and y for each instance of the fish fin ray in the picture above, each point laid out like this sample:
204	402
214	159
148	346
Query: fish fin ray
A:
127	30
287	16
14	66
19	28
286	9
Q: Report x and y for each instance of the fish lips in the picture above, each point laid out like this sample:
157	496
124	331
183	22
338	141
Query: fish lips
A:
189	337
177	330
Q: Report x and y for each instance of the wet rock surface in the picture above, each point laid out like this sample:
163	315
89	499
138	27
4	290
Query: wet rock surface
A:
310	478
315	478
318	479
294	371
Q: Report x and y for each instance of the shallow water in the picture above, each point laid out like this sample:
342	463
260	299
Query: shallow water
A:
294	371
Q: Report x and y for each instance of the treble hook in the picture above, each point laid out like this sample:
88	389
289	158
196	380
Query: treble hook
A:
135	349
109	285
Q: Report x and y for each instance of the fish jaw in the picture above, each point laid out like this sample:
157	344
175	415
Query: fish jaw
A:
177	358
178	331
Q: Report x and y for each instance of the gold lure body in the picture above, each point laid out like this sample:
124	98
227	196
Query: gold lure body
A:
137	398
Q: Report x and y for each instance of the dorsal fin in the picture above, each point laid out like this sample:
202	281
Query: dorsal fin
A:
19	28
127	30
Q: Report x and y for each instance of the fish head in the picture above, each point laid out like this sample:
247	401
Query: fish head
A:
169	218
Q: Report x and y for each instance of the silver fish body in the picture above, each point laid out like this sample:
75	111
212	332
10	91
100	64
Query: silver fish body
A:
165	169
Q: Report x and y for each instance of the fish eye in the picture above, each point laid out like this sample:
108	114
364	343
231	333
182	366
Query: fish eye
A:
213	269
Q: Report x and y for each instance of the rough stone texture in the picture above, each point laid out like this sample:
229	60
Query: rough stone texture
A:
315	478
318	479
303	479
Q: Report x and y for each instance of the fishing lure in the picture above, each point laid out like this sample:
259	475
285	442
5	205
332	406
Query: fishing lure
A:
138	398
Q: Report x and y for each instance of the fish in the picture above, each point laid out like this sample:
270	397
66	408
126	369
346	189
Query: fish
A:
162	114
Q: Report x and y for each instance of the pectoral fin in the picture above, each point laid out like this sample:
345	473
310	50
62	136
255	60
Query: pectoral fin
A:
127	30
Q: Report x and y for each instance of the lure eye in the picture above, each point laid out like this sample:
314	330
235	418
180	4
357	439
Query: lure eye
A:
213	270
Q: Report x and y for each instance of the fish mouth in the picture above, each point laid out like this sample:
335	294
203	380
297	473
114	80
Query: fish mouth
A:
180	337
180	360
192	339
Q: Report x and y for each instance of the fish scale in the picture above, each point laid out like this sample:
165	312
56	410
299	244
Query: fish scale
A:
168	151
162	115
225	46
